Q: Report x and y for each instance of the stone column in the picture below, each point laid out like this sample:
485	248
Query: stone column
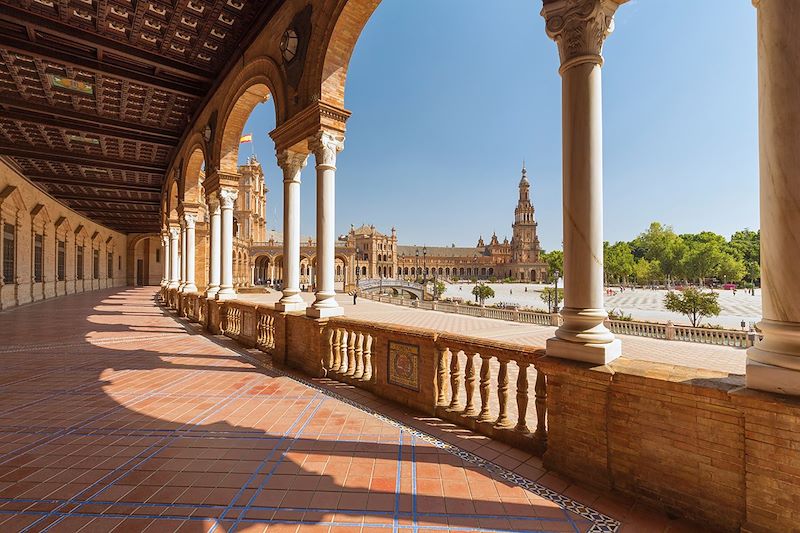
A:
165	264
227	199
174	276
292	163
182	284
190	253
579	29
325	147
773	364
213	246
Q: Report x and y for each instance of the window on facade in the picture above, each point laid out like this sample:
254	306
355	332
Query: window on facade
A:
158	255
247	201
61	260
96	264
8	252
38	257
110	265
79	262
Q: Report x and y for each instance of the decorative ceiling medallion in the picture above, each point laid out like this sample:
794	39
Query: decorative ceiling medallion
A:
70	84
288	46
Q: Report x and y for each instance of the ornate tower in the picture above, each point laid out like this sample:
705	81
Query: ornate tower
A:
524	241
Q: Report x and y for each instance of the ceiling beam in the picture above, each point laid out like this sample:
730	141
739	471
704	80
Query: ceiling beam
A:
49	53
97	185
108	200
104	45
85	160
147	212
19	109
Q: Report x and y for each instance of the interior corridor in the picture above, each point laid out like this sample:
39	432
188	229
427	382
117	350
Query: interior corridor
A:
116	416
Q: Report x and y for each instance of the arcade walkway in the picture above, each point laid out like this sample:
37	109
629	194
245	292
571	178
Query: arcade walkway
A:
115	416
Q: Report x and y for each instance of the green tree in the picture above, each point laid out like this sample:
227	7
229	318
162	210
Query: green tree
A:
618	261
482	292
438	289
660	243
555	262
702	260
730	268
552	298
646	271
693	303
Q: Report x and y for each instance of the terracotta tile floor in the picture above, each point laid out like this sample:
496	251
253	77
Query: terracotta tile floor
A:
115	416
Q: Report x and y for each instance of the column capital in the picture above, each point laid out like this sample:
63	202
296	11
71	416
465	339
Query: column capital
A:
227	197
579	28
189	220
325	145
174	232
291	163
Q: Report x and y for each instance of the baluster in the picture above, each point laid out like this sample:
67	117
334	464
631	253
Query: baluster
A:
351	353
329	362
485	415
540	389
337	346
359	373
345	339
441	378
522	397
367	358
470	409
271	331
502	395
455	382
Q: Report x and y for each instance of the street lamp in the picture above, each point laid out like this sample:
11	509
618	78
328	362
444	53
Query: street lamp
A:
555	294
424	270
475	267
416	266
358	270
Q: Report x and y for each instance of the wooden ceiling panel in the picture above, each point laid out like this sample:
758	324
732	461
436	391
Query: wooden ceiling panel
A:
95	95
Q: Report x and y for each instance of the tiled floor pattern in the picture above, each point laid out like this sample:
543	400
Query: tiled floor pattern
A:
719	358
114	416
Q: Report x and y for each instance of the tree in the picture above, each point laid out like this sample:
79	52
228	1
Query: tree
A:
551	298
646	271
618	261
693	303
660	243
702	260
482	292
730	268
438	289
555	262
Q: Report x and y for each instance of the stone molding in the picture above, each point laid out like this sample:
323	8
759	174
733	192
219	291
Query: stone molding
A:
579	28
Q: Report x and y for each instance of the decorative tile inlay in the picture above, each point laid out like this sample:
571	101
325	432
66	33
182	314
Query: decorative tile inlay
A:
404	365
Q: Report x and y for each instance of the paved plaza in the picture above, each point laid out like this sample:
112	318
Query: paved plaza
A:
641	304
719	358
118	417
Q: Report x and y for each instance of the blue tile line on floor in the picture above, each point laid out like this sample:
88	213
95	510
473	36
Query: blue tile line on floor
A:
264	461
80	425
414	481
398	484
210	411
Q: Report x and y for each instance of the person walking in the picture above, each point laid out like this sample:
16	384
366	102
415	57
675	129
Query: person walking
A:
355	297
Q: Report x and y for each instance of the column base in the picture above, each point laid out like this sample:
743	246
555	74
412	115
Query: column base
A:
596	354
288	307
225	294
324	312
189	288
211	292
771	378
173	285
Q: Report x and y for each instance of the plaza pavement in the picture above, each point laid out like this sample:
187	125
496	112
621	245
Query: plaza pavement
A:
719	358
116	416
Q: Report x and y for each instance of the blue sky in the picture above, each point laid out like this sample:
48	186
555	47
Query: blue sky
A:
449	96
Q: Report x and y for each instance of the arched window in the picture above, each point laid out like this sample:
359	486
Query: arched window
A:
363	271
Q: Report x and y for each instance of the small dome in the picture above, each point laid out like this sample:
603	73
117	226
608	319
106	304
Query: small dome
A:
524	180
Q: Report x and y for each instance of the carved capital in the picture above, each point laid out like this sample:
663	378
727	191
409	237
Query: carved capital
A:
292	163
174	233
227	198
213	204
325	146
190	220
579	28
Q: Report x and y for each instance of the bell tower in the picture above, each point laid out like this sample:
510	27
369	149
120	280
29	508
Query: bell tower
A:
524	241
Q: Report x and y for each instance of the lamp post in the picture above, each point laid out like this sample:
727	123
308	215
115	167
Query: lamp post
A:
400	267
555	294
358	269
424	270
416	265
475	268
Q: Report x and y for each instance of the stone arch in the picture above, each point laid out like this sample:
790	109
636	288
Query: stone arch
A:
172	198
257	81
193	175
348	21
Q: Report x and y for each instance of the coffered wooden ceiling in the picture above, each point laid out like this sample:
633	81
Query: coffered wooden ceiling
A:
96	94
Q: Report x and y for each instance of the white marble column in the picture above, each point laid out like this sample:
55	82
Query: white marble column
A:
213	246
182	284
189	222
579	29
227	199
774	363
325	147
174	262
292	163
165	261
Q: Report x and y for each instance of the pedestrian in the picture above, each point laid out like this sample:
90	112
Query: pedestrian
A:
355	297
